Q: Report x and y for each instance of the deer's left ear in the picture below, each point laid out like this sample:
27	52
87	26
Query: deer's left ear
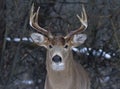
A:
78	39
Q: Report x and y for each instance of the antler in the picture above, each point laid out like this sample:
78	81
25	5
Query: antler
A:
34	21
83	20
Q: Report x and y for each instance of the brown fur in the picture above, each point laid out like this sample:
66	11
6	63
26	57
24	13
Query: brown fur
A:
72	77
58	40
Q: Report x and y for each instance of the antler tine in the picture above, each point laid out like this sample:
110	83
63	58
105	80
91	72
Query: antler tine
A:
34	21
83	20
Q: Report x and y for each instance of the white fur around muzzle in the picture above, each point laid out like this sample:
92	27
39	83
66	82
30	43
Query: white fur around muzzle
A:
58	66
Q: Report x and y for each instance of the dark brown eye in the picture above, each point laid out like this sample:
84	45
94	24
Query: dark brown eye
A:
66	46
50	46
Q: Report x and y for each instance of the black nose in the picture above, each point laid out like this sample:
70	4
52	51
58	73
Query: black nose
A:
57	59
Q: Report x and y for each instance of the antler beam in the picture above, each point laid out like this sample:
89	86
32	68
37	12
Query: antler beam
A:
34	21
83	20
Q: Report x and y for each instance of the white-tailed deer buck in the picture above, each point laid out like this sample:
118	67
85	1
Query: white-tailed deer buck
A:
63	72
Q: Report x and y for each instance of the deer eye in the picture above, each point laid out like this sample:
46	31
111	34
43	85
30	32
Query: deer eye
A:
66	46
50	46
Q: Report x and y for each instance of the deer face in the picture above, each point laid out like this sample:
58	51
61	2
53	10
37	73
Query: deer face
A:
58	48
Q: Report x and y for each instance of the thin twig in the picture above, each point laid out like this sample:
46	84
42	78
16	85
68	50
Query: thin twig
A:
115	34
12	67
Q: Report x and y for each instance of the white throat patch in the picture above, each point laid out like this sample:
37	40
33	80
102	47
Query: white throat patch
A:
58	66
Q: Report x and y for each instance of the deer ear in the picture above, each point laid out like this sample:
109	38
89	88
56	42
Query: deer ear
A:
39	39
78	39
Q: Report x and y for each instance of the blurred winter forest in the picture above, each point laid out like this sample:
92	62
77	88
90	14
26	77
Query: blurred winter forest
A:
22	64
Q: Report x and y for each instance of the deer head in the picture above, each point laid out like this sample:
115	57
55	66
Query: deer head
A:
58	46
59	60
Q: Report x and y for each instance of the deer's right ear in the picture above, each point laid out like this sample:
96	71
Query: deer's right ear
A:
39	39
